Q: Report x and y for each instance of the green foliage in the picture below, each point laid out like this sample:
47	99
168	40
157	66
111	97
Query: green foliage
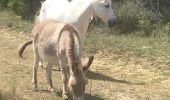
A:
14	23
25	8
3	4
132	16
165	9
17	6
145	26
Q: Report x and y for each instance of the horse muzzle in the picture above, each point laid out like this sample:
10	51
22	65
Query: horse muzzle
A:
112	23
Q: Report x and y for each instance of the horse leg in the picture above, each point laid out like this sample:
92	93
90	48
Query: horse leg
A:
35	69
49	79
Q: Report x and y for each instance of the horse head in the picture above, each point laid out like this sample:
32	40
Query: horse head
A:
103	9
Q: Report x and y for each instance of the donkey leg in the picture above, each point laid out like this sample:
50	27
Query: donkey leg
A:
49	79
35	69
40	64
65	83
63	67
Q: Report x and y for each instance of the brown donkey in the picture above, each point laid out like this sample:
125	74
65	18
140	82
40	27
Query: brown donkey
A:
59	43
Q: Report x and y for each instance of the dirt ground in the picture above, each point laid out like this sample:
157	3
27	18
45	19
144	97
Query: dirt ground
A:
111	77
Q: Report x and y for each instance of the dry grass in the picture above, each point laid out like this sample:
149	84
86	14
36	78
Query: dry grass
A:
125	68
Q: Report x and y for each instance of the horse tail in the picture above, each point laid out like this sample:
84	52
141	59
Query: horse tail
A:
22	48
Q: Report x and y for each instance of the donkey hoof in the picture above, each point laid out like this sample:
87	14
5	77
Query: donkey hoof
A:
42	67
54	93
65	97
34	88
52	90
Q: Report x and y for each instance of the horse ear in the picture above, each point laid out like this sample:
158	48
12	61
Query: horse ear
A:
42	1
87	64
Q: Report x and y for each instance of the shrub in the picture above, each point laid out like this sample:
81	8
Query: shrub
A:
132	16
24	8
3	4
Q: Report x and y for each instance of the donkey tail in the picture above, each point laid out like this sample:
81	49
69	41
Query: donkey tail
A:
87	64
22	48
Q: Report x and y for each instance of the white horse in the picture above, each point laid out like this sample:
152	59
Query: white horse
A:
78	13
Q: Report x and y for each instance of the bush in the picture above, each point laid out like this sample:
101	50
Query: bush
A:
25	8
3	4
164	8
132	16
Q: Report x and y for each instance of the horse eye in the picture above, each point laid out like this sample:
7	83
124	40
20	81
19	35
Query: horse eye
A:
107	5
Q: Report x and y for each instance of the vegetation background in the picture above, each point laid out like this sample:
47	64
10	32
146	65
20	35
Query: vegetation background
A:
144	15
132	60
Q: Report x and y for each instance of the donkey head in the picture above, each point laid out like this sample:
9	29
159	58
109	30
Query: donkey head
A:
77	80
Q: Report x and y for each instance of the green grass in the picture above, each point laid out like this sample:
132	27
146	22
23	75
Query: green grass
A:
155	49
138	45
12	22
126	67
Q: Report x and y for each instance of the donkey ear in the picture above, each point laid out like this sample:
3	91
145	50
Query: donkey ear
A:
87	64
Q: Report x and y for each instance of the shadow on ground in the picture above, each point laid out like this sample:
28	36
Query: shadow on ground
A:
59	94
9	95
90	97
98	76
56	93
